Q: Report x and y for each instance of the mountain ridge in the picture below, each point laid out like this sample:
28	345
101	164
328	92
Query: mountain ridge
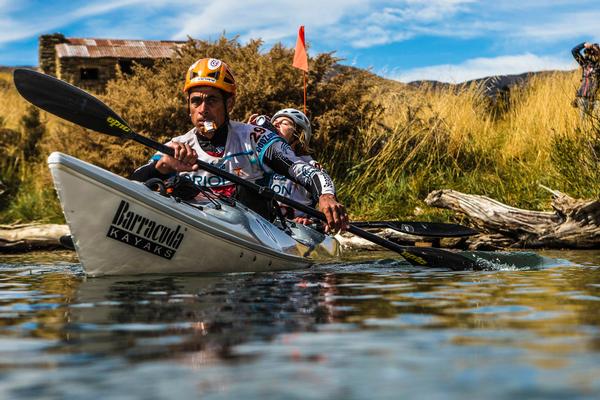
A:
492	84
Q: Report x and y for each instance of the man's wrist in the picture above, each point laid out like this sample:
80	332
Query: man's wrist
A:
162	167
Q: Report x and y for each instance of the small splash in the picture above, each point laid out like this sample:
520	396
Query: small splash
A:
510	260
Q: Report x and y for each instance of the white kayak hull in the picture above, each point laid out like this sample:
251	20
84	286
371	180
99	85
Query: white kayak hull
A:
120	227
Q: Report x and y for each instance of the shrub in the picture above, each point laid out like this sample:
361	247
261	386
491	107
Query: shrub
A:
338	102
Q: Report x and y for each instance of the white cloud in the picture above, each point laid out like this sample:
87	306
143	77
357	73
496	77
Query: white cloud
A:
483	67
339	23
49	17
568	25
357	23
431	11
278	21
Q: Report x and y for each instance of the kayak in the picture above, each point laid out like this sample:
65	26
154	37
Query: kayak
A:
121	227
261	246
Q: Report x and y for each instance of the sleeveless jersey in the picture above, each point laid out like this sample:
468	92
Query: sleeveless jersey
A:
243	155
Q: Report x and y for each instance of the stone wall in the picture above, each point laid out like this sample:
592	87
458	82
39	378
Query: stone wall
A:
73	70
91	74
47	52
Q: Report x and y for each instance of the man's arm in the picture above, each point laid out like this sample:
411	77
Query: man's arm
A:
281	159
163	166
148	171
576	51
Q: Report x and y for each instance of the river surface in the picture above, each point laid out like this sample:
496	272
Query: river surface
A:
369	328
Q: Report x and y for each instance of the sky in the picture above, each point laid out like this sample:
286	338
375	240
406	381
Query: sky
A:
406	40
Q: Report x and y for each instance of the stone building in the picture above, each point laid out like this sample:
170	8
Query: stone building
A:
91	63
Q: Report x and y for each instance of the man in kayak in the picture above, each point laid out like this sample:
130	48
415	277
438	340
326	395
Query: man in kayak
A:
590	77
251	152
293	126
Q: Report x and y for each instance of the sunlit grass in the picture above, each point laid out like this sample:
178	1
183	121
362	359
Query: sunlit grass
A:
427	139
12	105
456	138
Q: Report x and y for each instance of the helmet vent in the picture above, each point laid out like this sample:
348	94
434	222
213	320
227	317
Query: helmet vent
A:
229	79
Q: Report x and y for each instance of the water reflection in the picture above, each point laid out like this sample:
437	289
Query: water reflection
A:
367	329
208	314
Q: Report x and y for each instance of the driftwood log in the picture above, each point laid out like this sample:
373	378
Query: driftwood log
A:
26	237
574	223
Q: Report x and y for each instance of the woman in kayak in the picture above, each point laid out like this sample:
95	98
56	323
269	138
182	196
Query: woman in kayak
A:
249	151
293	126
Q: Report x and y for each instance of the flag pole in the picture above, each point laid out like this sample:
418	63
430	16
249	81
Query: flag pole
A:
304	73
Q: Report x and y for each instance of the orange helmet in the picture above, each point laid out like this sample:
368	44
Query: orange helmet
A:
210	72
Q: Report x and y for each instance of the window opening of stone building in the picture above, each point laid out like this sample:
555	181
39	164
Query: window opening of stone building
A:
126	66
88	74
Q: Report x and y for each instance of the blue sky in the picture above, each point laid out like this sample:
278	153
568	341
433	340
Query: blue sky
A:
446	40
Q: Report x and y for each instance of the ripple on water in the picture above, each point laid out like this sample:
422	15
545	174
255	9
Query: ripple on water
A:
348	331
404	320
497	310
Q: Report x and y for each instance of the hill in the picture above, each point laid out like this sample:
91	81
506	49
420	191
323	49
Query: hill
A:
492	84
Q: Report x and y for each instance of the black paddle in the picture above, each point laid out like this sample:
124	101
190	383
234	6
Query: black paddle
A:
429	229
75	105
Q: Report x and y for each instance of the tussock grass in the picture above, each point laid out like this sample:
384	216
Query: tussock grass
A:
11	104
454	137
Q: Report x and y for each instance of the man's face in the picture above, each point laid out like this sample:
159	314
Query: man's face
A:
206	104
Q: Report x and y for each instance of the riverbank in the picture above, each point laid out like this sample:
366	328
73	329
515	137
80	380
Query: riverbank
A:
24	238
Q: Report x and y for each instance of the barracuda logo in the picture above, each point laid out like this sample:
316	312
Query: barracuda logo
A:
115	122
144	233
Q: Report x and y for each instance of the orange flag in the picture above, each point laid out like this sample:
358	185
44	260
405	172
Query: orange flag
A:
300	57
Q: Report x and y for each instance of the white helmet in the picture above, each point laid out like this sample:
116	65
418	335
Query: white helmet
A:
299	119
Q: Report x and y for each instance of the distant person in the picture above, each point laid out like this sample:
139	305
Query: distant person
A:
589	61
294	127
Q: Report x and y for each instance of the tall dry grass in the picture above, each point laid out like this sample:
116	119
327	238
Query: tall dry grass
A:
11	104
538	112
456	137
26	191
427	138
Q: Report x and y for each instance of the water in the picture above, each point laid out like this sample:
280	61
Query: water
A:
365	329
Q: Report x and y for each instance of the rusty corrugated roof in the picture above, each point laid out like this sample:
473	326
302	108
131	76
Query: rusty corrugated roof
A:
116	48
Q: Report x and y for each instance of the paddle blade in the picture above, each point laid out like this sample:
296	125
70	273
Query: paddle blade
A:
421	256
433	229
69	102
